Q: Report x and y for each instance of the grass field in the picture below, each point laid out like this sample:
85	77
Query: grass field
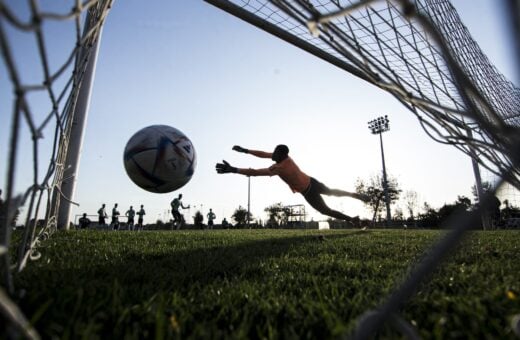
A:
264	284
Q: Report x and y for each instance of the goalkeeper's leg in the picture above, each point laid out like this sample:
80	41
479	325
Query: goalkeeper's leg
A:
313	197
343	193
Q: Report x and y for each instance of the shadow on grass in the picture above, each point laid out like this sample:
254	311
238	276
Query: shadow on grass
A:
165	266
99	282
241	285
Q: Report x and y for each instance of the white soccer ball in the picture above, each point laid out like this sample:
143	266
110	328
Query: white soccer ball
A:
160	158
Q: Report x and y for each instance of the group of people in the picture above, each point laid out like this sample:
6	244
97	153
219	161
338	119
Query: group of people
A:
84	221
284	167
178	218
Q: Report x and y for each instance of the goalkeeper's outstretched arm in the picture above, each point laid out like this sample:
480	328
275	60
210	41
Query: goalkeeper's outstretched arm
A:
257	153
255	172
225	167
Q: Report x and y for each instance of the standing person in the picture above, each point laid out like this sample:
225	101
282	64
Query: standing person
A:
140	219
130	213
115	218
211	216
178	219
84	222
225	223
284	167
102	215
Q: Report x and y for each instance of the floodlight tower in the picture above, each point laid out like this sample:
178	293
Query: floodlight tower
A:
377	127
248	199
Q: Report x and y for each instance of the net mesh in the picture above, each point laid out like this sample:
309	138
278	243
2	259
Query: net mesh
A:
418	51
45	52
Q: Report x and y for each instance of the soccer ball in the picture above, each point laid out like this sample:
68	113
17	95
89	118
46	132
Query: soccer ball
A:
160	158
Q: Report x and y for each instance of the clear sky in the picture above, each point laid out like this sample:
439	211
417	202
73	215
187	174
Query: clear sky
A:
223	82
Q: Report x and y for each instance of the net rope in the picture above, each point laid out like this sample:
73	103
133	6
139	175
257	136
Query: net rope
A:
418	51
421	53
60	83
425	57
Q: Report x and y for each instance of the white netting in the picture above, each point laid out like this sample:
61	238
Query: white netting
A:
420	52
425	57
46	49
417	51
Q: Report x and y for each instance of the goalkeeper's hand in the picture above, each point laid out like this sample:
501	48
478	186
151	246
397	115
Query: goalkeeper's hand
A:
225	167
240	149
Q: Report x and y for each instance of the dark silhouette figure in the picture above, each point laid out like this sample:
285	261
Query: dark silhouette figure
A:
285	167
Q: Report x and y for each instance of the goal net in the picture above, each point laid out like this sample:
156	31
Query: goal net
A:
47	53
421	53
418	51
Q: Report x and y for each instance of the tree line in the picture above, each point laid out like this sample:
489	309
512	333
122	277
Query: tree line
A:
410	214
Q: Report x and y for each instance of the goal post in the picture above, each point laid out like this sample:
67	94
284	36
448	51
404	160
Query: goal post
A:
65	197
50	85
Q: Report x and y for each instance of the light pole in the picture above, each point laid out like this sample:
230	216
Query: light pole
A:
377	127
248	198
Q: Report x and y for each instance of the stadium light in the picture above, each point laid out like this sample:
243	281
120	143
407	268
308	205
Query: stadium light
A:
377	127
248	199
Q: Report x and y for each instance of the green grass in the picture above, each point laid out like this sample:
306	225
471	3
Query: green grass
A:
263	284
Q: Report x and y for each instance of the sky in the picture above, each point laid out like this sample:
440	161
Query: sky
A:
224	82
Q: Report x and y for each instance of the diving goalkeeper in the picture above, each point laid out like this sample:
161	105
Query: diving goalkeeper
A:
298	181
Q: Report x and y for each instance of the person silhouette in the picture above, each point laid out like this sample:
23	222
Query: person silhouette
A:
140	219
115	218
211	216
130	213
175	204
299	182
84	222
102	215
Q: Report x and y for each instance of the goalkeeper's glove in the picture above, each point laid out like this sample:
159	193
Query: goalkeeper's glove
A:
225	167
240	149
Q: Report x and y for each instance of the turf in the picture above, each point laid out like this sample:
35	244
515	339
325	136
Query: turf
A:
264	284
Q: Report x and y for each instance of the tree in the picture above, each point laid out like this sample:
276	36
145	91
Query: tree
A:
411	202
461	205
398	214
429	218
463	202
373	188
240	216
486	187
278	214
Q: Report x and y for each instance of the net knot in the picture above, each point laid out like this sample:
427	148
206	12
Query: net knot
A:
37	20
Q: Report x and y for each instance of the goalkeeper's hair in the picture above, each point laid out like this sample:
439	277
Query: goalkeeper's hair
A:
282	149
